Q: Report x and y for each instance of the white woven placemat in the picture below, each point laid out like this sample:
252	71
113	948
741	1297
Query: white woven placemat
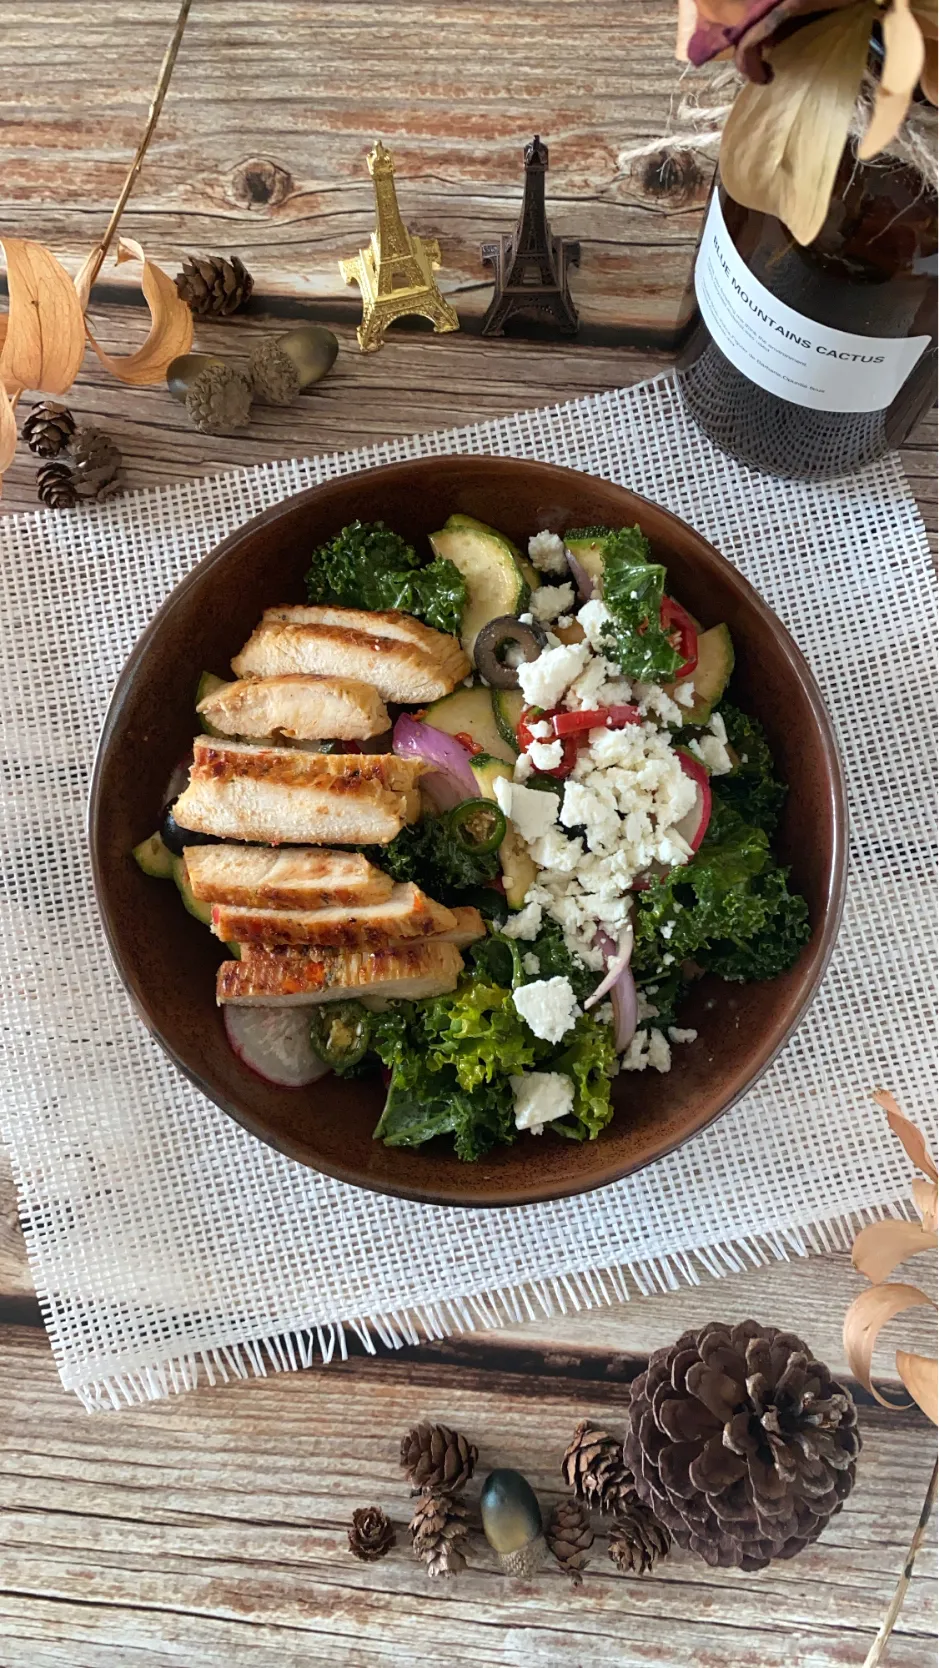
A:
168	1245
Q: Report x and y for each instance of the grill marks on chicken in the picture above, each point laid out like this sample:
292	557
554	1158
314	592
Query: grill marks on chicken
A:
399	657
298	707
274	976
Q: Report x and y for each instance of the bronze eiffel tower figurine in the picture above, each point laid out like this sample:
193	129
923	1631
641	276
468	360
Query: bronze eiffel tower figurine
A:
530	264
395	271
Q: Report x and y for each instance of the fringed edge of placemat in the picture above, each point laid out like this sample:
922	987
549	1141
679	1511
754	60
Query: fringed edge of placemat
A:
485	1311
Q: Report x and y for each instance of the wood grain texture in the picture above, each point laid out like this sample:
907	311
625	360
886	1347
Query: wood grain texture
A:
262	142
211	1532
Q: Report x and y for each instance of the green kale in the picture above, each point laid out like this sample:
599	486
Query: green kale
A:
556	961
752	787
366	566
427	853
590	1061
633	588
664	993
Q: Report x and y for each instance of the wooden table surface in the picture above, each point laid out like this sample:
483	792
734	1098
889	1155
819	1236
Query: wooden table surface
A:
209	1530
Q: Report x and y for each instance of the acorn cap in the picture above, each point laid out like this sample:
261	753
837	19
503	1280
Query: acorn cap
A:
274	374
219	400
313	350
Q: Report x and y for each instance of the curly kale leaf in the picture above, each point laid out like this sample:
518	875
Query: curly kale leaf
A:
499	958
590	1061
427	853
752	787
633	588
367	566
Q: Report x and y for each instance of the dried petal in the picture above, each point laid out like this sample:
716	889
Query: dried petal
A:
44	335
926	1199
867	1315
171	326
7	432
879	1249
920	1374
911	1139
904	55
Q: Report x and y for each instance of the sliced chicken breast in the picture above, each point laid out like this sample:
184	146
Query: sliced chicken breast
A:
298	706
281	976
298	877
469	926
287	797
402	659
406	914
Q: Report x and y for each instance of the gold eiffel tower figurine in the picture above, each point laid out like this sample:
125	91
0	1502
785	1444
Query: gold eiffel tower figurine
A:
395	272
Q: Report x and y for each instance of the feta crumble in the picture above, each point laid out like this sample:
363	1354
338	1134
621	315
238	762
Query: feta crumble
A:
531	964
546	755
540	1097
543	681
550	601
648	1048
548	1006
532	811
525	924
684	692
677	1034
548	553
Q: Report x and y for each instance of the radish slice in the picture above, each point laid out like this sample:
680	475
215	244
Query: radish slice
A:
450	780
625	1002
585	585
693	825
275	1043
615	968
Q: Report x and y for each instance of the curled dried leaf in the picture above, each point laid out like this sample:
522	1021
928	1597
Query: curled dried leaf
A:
911	1139
7	432
879	1249
868	1314
926	1199
44	336
171	325
904	55
920	1374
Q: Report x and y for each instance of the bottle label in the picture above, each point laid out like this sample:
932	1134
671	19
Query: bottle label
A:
783	351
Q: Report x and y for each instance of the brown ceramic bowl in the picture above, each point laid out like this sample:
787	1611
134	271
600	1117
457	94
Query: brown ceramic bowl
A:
167	960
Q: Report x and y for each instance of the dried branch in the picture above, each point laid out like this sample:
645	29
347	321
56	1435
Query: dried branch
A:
876	1653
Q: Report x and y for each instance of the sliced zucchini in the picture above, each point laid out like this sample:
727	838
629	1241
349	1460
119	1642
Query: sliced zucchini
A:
589	553
710	676
518	869
154	858
469	712
489	564
507	708
207	685
195	906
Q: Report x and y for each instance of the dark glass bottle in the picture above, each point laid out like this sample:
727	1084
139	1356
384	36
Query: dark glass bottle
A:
786	400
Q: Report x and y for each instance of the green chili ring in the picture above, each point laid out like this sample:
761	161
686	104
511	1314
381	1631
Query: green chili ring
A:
477	825
340	1033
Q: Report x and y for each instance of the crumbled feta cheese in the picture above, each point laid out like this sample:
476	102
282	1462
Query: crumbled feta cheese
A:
668	927
652	699
540	1097
551	600
677	1035
565	621
684	692
648	1048
660	1055
532	811
531	964
714	754
526	619
523	768
548	1006
541	729
546	755
595	617
717	727
645	1009
543	681
547	552
604	1013
667	961
525	924
555	851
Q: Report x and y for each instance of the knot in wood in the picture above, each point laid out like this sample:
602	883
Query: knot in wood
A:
260	183
672	176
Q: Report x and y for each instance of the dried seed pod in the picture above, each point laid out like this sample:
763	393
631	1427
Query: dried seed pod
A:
371	1535
55	486
434	1456
97	470
439	1528
512	1521
48	428
211	285
570	1537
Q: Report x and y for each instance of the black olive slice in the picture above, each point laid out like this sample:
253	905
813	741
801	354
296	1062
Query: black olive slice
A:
502	645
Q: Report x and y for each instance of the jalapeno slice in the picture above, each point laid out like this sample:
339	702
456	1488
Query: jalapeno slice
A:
478	825
340	1033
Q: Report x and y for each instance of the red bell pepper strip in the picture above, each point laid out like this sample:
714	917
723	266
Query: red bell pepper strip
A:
596	718
682	633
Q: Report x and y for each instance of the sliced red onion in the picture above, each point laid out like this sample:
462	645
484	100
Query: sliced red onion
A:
586	587
625	1002
275	1043
693	825
618	965
450	779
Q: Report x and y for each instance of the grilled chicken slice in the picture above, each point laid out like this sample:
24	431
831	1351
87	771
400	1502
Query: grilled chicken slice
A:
401	658
298	877
468	928
406	914
289	797
273	977
298	706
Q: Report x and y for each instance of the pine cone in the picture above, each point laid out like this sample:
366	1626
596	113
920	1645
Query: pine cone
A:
741	1443
637	1539
435	1457
212	286
570	1538
593	1467
55	486
96	464
440	1523
219	399
48	429
274	374
372	1534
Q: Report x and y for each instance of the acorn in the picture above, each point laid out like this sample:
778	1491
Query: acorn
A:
217	397
512	1522
313	350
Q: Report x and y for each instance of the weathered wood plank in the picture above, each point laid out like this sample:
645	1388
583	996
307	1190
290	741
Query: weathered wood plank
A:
211	1531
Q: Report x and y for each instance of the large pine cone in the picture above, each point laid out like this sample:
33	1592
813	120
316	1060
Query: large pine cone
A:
435	1457
48	428
593	1467
438	1528
741	1443
570	1537
213	286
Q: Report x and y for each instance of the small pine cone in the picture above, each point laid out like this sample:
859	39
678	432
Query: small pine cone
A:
593	1467
212	286
435	1457
371	1535
570	1538
274	374
637	1539
96	464
48	429
439	1526
55	486
219	399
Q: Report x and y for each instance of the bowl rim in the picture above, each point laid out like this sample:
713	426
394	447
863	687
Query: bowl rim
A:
478	1196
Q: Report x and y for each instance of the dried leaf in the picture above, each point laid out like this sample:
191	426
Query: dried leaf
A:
920	1374
911	1139
879	1249
44	334
782	143
904	55
867	1315
7	433
926	1199
170	330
